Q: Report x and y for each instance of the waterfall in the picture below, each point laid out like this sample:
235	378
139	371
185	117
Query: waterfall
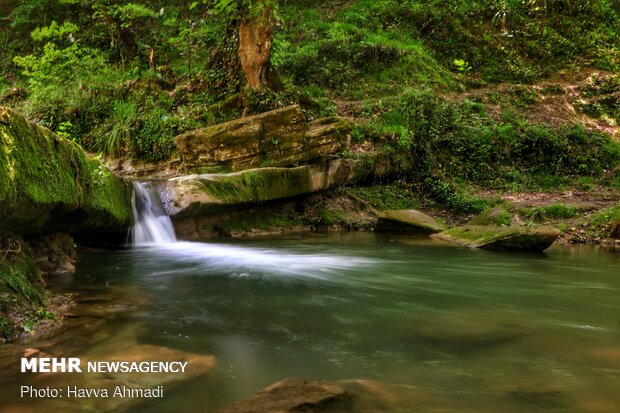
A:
152	224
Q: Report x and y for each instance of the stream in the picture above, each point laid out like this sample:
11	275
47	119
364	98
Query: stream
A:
450	329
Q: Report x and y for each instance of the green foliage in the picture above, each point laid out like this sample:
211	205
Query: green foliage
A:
329	218
455	199
606	216
494	216
19	276
502	40
555	211
87	56
462	66
560	211
599	223
461	141
54	31
397	195
602	101
264	99
236	9
123	121
352	54
67	131
6	328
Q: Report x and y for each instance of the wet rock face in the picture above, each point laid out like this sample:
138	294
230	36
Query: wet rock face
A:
281	137
294	396
409	221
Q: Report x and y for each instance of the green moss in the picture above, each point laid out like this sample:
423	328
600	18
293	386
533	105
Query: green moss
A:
494	216
6	328
599	223
480	234
391	196
19	276
560	211
502	238
555	211
45	173
257	185
328	217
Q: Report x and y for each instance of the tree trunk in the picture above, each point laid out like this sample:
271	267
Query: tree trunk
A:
255	39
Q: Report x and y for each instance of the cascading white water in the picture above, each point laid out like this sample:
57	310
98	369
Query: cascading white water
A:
152	224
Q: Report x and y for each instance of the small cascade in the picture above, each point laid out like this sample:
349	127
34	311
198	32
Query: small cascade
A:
152	224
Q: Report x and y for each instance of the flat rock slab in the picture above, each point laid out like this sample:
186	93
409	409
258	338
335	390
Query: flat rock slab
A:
502	238
294	396
409	221
196	195
281	137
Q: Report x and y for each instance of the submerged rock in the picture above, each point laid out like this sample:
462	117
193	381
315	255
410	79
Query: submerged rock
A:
466	333
281	137
409	221
502	238
296	395
48	183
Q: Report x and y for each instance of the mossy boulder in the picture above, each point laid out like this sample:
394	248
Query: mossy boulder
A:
494	216
278	138
49	184
195	195
494	237
409	221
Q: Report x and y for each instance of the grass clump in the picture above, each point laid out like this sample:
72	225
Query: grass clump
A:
397	195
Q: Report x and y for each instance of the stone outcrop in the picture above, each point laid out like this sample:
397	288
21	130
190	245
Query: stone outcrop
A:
409	221
278	138
295	395
195	195
49	184
502	238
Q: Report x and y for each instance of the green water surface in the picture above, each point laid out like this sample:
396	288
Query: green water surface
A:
463	330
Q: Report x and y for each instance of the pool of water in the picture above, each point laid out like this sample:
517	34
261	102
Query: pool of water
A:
464	330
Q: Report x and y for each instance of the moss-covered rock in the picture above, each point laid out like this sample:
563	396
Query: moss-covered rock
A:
278	138
494	216
195	195
409	221
49	184
494	237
